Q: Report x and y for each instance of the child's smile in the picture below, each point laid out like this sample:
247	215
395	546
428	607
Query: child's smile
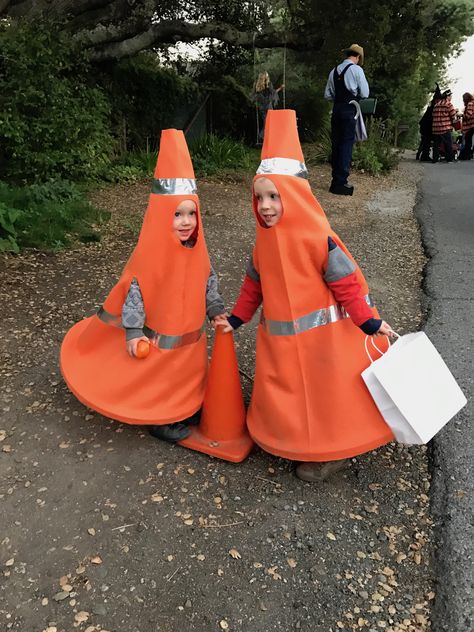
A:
269	206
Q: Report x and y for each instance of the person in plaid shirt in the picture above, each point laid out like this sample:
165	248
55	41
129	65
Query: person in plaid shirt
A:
444	115
467	126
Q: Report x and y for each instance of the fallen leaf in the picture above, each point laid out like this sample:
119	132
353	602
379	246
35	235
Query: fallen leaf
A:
81	616
272	571
330	535
91	531
96	560
291	562
200	557
235	554
11	561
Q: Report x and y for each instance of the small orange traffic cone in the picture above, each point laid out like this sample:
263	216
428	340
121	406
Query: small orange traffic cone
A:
222	431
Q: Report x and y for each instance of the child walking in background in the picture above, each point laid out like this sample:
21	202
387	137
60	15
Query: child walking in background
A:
162	297
309	402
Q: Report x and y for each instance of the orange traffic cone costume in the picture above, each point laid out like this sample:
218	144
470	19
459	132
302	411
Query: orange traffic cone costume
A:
309	401
168	385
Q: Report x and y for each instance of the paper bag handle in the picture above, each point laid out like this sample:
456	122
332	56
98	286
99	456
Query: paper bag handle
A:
375	346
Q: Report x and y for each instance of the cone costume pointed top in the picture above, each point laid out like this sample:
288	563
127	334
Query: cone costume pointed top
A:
309	355
169	384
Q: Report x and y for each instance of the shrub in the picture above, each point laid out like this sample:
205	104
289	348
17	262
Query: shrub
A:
376	154
53	121
146	98
48	215
134	165
212	154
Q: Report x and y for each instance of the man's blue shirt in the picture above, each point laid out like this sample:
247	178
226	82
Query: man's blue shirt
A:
354	80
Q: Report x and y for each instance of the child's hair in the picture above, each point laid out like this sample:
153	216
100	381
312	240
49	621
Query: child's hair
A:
263	81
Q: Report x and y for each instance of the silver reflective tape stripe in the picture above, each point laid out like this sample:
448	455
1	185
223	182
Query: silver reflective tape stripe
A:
319	317
174	186
162	341
283	167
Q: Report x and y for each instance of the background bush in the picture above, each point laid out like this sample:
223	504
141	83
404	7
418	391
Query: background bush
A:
48	216
53	118
376	154
212	154
145	98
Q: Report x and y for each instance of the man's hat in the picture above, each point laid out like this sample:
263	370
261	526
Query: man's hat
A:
356	50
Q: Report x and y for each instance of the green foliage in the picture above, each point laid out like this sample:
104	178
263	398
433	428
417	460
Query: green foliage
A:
376	155
53	120
134	165
231	111
146	98
8	232
320	151
48	215
212	154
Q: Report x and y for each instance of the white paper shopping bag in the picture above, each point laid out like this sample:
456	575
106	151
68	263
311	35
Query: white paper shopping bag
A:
413	388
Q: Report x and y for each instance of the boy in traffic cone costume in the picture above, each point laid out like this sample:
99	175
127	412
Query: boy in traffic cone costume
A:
309	402
161	298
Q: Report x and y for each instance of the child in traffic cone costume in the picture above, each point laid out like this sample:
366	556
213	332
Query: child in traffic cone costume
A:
309	402
162	296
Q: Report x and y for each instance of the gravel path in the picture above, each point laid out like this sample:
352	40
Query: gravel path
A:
104	528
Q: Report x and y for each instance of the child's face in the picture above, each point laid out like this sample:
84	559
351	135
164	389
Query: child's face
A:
269	205
185	220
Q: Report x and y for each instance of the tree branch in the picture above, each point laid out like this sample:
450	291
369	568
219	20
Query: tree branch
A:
172	31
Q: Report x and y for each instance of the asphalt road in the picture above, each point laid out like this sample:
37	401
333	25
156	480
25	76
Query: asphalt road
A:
446	215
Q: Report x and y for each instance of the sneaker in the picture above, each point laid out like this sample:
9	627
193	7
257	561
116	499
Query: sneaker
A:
318	472
170	432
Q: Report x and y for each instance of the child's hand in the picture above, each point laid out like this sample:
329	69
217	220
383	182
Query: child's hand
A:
132	345
221	320
385	330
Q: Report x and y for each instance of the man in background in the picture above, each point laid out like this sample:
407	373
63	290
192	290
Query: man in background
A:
345	83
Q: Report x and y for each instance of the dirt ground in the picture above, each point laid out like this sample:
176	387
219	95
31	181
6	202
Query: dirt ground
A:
104	528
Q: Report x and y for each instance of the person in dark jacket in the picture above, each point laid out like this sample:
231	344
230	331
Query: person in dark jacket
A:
426	125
